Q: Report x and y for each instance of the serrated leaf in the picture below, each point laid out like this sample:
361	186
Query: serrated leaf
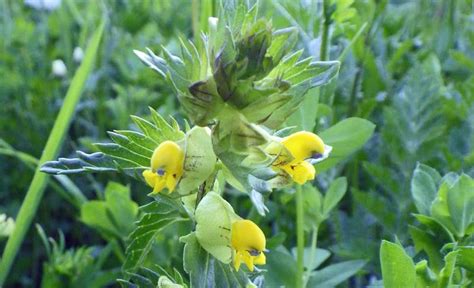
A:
94	162
149	129
169	132
119	152
318	73
139	139
143	237
125	142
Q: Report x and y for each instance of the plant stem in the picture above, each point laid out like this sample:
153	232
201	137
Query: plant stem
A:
312	253
299	237
195	20
325	33
355	85
35	191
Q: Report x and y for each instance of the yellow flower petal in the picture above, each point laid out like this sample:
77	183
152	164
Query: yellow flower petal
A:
237	260
302	145
150	177
248	260
246	236
260	259
303	172
159	185
249	243
166	164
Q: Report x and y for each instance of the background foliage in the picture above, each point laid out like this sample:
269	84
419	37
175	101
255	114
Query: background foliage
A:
407	66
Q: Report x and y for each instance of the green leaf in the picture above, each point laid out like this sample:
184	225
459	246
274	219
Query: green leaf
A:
336	191
157	217
424	187
94	162
435	226
126	143
345	138
466	257
428	243
305	117
398	270
424	276
445	277
196	261
440	209
168	132
119	152
321	255
333	275
378	206
313	206
115	216
461	204
281	268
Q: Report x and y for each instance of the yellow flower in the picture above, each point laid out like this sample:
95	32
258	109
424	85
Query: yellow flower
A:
304	148
227	236
249	243
166	167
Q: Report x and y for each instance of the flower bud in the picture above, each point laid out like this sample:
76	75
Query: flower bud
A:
59	68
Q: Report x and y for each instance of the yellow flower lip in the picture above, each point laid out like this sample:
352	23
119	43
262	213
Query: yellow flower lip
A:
303	145
248	241
166	167
303	149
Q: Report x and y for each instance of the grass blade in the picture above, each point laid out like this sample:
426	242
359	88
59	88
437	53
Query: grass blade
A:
38	184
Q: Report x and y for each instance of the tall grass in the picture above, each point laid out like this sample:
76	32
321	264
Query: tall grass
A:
35	191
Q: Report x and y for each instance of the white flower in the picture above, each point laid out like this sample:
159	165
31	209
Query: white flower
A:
44	4
59	68
77	54
7	225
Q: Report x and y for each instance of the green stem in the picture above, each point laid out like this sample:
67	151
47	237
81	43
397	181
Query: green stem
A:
35	191
325	33
299	237
355	85
312	253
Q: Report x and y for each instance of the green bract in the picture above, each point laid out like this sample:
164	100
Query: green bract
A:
199	161
246	68
214	218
